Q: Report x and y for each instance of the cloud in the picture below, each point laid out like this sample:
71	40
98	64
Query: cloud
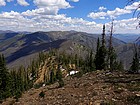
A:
97	15
22	2
46	18
41	11
102	8
2	3
23	22
52	5
36	20
9	0
114	13
133	6
74	0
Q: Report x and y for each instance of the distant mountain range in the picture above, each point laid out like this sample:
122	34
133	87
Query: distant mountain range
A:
128	38
20	48
138	41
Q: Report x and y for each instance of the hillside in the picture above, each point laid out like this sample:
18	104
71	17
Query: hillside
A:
128	38
95	88
23	47
138	41
51	74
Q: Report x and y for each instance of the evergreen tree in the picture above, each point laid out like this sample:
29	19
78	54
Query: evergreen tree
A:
59	77
102	58
52	77
96	60
120	66
102	52
91	62
58	73
5	85
112	59
135	63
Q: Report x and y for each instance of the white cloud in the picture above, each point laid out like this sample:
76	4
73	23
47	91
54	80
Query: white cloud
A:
9	0
102	8
52	5
46	18
118	12
114	13
41	11
22	2
2	3
74	0
133	6
36	20
97	15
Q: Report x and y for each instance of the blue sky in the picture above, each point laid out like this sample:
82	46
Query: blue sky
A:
79	15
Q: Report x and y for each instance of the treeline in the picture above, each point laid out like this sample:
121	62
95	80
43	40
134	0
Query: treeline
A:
106	58
16	81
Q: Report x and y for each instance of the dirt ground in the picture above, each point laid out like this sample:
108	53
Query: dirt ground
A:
95	88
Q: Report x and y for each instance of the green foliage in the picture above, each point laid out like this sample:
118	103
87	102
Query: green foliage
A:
102	58
112	59
97	57
18	94
42	94
106	59
37	86
52	77
90	62
61	83
58	73
120	66
15	82
101	53
5	87
135	64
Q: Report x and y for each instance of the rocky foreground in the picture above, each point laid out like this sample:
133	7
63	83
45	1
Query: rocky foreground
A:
95	88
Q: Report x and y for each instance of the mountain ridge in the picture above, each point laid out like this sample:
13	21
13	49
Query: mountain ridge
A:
21	46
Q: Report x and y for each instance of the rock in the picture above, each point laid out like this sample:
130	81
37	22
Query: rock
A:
138	95
114	99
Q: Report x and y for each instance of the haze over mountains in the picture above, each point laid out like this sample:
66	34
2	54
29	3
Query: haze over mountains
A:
128	38
21	47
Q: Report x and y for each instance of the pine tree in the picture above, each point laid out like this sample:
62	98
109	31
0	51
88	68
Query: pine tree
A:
103	36
96	60
59	77
135	63
120	66
58	73
5	85
102	59
112	59
112	56
52	77
102	53
91	62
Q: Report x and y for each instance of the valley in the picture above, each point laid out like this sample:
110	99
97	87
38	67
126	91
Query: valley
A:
24	47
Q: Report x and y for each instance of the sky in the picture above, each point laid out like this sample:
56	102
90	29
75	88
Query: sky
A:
65	15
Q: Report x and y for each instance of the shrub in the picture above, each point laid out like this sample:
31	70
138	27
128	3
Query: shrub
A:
42	94
61	83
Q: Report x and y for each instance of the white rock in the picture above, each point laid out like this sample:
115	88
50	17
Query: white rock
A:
43	85
73	72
